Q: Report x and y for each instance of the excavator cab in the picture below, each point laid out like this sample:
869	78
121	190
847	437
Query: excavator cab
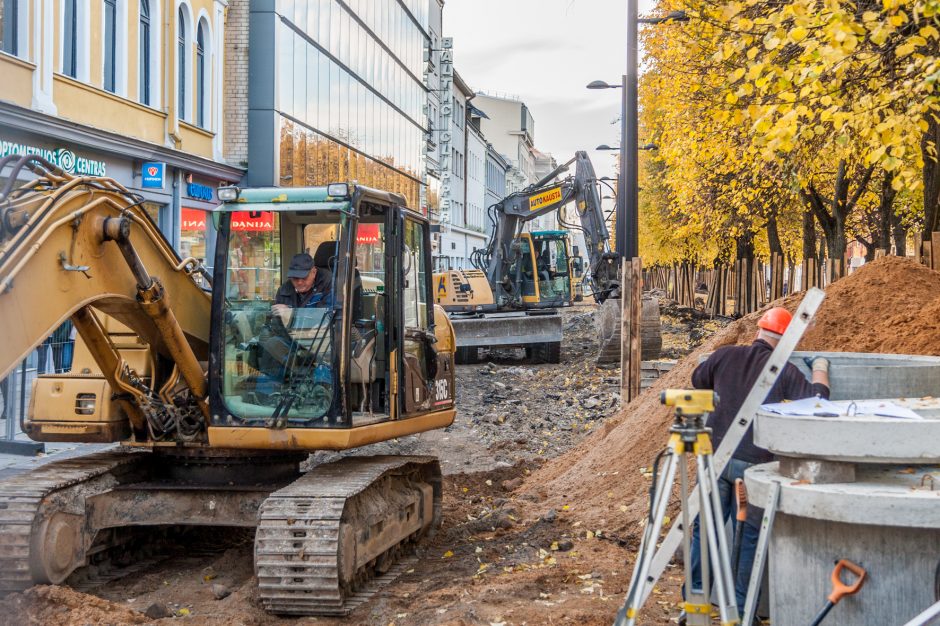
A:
553	263
360	357
541	270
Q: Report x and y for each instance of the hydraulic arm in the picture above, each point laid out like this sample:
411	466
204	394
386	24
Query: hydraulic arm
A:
510	215
78	247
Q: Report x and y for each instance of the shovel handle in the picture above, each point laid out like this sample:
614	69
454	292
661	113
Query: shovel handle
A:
740	496
839	588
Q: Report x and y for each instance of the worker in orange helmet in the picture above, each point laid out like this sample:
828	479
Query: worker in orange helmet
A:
731	371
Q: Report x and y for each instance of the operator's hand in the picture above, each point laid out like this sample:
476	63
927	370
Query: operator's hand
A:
283	313
817	363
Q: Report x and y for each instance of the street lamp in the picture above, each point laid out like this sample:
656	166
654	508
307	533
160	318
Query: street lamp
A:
620	236
672	16
646	146
627	204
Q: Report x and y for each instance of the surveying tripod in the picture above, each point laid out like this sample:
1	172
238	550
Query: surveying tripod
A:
688	436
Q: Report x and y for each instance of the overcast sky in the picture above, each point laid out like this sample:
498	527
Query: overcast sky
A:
545	52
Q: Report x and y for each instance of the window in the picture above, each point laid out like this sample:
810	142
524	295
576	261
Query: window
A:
70	38
201	76
9	20
181	63
144	52
110	44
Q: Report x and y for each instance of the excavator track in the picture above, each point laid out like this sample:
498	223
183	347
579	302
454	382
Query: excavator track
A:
24	555
329	540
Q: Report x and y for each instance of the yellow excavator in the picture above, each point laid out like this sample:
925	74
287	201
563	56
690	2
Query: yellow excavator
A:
511	298
216	396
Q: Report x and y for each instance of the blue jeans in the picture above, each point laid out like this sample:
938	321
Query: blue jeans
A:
734	470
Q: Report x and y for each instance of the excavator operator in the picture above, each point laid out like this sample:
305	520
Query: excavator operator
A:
306	286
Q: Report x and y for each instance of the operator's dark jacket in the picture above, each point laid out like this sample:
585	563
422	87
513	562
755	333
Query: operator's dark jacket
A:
321	287
731	372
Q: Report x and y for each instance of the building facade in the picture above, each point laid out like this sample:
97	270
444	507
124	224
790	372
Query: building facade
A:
129	89
336	92
496	168
457	238
432	81
510	127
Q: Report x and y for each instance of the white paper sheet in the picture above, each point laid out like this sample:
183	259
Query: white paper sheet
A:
825	408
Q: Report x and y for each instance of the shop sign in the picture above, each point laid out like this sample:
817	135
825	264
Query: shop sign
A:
367	234
255	221
61	157
192	219
199	192
447	112
152	175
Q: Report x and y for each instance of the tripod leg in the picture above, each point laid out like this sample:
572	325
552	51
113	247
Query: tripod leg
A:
638	582
713	520
697	607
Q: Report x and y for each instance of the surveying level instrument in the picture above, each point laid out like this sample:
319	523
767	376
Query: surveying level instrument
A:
689	436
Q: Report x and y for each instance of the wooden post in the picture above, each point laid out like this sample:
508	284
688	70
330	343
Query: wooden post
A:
919	247
879	253
631	301
927	253
934	248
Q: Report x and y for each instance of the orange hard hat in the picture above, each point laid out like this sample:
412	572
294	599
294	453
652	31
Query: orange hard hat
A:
775	320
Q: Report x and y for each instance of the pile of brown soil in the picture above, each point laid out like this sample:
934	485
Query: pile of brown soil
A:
61	606
891	305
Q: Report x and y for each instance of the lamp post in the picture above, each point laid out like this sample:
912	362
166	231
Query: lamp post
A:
620	235
627	195
627	227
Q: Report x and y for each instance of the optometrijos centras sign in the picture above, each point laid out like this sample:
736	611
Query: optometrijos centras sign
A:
61	157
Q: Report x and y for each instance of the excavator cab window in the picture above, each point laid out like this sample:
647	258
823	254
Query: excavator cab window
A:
552	263
278	360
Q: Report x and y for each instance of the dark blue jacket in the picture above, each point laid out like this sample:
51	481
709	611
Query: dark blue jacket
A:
731	371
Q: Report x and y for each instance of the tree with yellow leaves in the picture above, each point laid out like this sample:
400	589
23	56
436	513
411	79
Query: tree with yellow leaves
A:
785	114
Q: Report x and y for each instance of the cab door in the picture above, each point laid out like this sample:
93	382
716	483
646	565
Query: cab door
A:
419	390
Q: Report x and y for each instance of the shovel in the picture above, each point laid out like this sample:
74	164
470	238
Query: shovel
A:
740	497
839	588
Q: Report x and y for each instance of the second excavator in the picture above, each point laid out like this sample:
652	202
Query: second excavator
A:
521	279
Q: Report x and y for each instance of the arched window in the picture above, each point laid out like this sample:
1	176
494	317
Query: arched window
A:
70	38
201	76
143	75
181	62
110	45
9	35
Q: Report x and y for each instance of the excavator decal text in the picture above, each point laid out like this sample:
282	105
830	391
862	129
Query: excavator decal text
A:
544	199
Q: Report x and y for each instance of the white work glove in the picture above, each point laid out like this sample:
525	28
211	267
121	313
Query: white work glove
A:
821	364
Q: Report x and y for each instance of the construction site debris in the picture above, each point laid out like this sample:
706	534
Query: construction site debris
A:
881	307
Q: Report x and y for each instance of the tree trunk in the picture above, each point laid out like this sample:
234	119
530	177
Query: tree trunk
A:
869	248
900	235
832	213
885	206
931	142
773	236
809	234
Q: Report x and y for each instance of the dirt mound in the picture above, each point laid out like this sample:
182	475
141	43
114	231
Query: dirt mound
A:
52	606
890	305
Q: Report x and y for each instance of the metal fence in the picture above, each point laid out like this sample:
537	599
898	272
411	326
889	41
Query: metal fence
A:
54	355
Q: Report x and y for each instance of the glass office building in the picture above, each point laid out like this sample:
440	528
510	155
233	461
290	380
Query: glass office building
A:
336	93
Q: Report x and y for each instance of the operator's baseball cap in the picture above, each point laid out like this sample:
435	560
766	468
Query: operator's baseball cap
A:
300	265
